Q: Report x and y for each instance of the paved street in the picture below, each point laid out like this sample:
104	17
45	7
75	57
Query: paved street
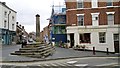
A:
68	58
60	53
87	62
6	50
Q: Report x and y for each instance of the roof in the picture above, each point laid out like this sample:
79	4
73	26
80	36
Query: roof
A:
4	4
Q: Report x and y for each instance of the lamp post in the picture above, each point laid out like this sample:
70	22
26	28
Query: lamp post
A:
8	28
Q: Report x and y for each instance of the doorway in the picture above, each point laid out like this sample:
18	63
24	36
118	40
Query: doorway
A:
71	40
116	43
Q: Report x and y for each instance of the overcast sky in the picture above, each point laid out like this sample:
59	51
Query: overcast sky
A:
27	9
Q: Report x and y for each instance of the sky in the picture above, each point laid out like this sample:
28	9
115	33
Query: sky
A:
27	9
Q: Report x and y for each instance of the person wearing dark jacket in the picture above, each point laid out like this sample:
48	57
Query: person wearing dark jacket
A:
24	43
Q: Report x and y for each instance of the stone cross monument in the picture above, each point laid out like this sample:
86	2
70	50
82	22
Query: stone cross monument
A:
38	28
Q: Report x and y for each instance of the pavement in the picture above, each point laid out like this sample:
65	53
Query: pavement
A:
7	49
87	62
60	53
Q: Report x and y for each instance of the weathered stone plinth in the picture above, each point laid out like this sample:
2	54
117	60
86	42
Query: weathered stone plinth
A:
36	51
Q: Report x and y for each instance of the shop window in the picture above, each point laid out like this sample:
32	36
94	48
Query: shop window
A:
85	38
102	37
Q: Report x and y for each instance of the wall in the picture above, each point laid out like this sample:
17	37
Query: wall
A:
60	37
1	16
11	21
95	36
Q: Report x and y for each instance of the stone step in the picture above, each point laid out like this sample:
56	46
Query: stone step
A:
29	51
34	56
34	48
41	51
35	51
22	53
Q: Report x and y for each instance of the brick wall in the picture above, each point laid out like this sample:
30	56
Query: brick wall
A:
72	11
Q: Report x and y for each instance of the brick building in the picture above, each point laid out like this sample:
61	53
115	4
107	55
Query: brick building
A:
94	23
45	35
20	33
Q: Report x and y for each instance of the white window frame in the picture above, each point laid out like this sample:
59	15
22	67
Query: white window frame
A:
13	25
110	13
94	3
5	23
95	19
13	18
82	2
102	39
78	21
5	14
108	1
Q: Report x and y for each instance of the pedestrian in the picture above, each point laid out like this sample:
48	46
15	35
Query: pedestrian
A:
24	43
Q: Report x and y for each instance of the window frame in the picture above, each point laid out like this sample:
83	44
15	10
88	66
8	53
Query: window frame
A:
95	18
79	21
102	37
5	14
13	18
110	20
81	2
109	2
5	23
13	26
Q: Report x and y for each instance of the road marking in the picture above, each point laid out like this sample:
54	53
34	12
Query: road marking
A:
45	65
80	64
52	64
59	64
107	64
71	62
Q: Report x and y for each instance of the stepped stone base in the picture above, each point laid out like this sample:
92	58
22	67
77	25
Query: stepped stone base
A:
35	51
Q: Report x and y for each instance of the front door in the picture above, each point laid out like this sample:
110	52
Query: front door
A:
116	43
71	40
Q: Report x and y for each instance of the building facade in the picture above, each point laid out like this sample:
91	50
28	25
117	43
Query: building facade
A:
20	33
94	23
7	24
46	34
58	26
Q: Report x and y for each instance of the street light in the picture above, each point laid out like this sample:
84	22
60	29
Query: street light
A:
8	26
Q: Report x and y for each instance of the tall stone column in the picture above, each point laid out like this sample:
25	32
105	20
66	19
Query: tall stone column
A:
38	28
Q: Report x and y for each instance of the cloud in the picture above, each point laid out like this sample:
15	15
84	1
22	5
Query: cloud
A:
27	9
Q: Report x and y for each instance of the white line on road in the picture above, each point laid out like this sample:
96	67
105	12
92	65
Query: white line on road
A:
72	62
108	64
80	64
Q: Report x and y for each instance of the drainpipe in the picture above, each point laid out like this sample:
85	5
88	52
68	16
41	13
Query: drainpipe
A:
8	27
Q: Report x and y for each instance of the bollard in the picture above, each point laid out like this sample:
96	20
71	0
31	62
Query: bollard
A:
93	50
107	51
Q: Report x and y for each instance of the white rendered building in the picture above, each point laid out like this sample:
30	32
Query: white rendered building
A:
7	24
